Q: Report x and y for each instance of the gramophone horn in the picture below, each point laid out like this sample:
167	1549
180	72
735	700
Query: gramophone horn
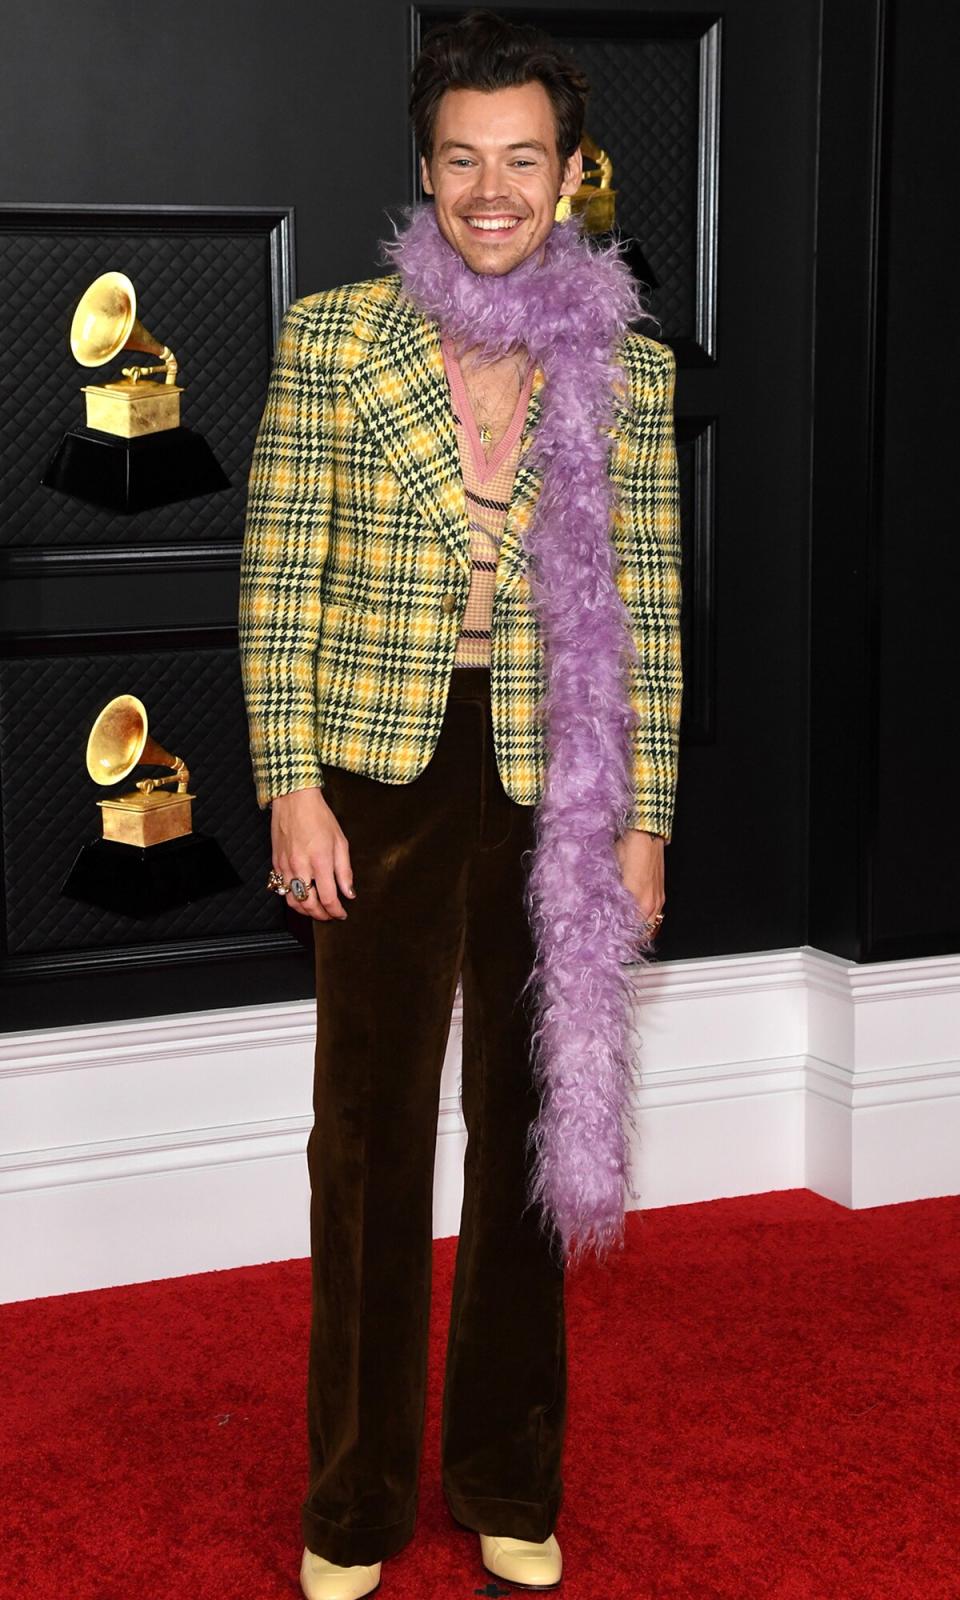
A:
105	322
119	741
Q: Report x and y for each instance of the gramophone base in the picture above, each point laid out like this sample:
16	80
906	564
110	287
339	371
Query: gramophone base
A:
155	469
148	819
140	882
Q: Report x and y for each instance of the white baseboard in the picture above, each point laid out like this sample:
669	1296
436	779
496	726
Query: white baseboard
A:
172	1145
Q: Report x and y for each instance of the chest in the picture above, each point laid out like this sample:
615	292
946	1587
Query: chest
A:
493	392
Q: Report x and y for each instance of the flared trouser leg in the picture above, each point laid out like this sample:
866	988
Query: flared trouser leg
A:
439	866
504	1401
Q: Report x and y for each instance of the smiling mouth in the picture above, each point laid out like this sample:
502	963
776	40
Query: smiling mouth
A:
493	226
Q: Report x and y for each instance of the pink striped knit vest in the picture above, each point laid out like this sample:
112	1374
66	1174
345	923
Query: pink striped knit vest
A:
488	485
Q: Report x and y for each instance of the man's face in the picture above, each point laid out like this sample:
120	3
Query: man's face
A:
495	174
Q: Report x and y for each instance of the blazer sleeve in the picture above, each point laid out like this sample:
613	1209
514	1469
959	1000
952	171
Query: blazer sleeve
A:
649	579
285	544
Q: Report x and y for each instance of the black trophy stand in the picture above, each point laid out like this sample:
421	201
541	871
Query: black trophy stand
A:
143	880
134	474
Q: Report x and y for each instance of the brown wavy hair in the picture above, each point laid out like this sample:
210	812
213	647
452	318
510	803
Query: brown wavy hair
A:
482	50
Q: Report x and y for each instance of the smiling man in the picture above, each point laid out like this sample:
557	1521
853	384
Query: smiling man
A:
459	622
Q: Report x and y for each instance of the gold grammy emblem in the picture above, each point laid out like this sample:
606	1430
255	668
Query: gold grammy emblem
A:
594	201
104	323
147	814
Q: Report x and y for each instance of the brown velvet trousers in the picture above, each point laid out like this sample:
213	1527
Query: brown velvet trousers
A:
439	866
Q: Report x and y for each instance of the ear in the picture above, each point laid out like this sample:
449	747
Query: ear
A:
573	173
425	175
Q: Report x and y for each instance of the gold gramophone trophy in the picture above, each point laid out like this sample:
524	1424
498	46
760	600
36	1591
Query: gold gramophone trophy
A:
133	452
595	200
148	813
148	858
595	204
104	323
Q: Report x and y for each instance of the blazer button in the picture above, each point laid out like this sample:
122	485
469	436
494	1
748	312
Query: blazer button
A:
449	604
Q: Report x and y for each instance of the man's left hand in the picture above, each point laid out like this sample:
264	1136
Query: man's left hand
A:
640	856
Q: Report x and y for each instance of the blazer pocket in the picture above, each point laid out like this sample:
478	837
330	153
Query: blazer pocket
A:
347	619
338	606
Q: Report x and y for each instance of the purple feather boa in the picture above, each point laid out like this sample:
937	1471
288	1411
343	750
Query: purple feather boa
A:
569	310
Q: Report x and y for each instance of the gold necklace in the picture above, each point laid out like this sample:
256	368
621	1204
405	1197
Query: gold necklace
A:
516	376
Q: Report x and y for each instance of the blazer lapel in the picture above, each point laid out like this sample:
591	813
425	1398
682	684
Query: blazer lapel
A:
402	394
526	489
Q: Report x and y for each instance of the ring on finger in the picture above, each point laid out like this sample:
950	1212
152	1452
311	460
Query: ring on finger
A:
299	889
276	883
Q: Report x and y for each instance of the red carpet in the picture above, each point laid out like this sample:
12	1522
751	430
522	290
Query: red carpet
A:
763	1403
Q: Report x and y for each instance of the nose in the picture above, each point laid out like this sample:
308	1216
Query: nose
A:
489	182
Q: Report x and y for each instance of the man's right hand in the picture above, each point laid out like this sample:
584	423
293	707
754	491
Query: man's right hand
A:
308	843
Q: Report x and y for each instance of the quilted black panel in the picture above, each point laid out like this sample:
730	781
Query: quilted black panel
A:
643	110
207	295
195	706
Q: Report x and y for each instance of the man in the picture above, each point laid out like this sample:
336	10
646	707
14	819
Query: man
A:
394	669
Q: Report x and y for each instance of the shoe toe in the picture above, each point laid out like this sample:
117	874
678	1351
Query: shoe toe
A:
522	1561
321	1579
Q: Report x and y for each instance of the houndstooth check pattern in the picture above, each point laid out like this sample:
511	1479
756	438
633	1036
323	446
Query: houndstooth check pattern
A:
356	559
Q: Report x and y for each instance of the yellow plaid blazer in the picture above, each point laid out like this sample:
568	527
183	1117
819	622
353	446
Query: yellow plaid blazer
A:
356	559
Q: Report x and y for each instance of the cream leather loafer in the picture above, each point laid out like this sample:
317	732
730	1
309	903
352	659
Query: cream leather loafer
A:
520	1561
321	1579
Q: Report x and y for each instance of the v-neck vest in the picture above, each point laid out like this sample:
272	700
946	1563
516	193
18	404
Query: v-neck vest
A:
488	486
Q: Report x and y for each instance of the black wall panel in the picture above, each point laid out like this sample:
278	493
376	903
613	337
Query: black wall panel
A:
49	698
784	818
210	277
885	649
915	879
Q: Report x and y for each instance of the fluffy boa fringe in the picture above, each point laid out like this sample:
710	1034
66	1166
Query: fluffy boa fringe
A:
569	310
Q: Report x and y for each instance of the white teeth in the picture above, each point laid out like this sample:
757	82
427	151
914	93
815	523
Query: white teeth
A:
492	223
